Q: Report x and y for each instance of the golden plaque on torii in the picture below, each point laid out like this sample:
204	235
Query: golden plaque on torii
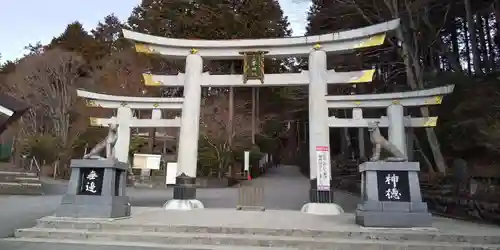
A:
253	65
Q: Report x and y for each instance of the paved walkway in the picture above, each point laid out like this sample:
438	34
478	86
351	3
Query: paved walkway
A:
285	188
23	211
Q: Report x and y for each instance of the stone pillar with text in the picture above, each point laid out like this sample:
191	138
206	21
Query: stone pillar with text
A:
96	189
185	187
321	188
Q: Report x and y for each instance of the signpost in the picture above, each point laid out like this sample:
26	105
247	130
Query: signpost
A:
146	163
323	160
246	166
171	173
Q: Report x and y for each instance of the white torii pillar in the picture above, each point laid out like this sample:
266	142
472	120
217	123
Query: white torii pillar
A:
396	131
320	192
185	190
124	118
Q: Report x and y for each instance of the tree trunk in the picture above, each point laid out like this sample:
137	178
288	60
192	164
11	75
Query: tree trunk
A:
454	37
496	9
454	55
414	80
253	113
491	50
230	125
344	142
485	65
467	47
473	38
151	141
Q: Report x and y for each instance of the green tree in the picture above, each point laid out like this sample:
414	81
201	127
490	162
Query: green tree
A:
160	18
108	34
76	39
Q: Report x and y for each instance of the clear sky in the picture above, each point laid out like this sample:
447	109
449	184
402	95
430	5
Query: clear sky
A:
28	21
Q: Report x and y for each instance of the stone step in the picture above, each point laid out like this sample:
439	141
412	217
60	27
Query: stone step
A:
246	240
21	188
51	244
426	235
17	173
20	179
19	182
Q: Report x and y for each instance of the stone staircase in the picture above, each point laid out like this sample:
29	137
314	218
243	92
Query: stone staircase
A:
16	182
345	236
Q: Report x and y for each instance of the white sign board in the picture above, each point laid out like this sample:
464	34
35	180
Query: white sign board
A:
171	173
323	168
147	161
247	161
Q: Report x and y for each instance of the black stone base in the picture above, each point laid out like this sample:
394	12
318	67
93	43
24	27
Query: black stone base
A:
185	187
320	196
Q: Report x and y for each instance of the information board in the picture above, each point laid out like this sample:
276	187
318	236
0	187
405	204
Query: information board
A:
171	173
146	161
323	168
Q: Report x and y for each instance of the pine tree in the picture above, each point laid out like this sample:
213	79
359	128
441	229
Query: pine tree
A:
210	19
262	19
76	39
332	16
159	18
109	34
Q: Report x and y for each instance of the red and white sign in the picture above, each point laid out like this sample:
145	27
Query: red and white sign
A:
323	169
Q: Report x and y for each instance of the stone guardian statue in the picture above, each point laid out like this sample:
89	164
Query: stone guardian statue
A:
379	143
107	144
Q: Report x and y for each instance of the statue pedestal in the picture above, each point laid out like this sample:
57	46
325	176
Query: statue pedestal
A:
96	189
390	193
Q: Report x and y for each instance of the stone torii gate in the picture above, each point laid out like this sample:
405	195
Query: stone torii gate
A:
394	103
125	119
317	77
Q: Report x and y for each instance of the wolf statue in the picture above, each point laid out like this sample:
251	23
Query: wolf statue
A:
108	144
379	143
